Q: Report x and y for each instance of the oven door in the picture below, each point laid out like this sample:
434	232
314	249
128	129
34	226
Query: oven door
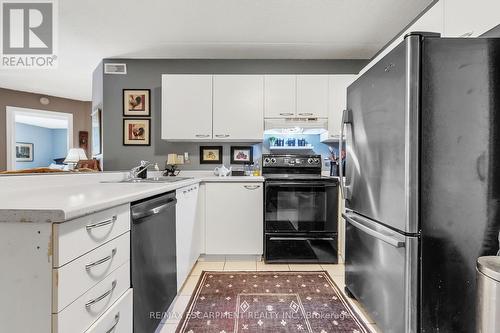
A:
301	206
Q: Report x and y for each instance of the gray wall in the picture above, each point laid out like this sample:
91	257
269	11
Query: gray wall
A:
146	74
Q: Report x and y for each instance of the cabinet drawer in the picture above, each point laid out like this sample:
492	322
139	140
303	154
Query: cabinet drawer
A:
75	238
117	319
83	312
78	276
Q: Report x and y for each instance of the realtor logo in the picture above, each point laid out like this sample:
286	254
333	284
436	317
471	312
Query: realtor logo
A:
28	34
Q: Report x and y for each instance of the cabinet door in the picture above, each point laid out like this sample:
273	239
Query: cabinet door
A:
337	102
234	218
466	18
187	232
238	108
279	96
186	107
312	96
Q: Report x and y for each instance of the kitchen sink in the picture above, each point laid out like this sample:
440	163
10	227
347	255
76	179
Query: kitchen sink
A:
152	180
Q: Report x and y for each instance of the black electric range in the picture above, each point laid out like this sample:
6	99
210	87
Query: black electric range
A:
300	210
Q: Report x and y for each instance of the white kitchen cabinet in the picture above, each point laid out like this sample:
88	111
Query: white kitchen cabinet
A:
238	108
188	232
312	96
234	218
280	96
186	107
337	103
466	18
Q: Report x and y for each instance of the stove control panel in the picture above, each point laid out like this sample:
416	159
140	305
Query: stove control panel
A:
288	161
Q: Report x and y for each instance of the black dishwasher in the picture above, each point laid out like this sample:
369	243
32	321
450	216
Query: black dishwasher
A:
153	260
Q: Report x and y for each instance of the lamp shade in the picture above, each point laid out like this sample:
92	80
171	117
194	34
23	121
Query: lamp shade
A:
172	159
75	155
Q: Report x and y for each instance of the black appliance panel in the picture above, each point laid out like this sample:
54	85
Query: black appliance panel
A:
301	206
301	248
154	272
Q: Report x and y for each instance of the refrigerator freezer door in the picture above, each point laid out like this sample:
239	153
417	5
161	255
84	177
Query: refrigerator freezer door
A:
381	272
382	139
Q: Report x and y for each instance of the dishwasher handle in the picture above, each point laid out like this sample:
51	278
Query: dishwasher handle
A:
136	216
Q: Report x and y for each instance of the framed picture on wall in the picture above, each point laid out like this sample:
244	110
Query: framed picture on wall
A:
136	102
96	120
136	132
241	155
24	152
210	154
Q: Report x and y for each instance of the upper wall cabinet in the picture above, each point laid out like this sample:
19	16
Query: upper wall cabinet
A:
238	108
280	96
312	96
467	18
186	107
337	103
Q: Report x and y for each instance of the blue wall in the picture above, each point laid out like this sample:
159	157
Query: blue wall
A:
59	142
48	144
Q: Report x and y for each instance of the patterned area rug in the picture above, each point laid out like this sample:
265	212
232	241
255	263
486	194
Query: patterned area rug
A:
226	302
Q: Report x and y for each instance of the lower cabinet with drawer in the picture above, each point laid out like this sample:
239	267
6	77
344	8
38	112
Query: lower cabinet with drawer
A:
84	311
68	277
118	318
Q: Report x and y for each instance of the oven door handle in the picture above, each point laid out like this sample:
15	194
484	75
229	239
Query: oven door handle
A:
300	238
311	184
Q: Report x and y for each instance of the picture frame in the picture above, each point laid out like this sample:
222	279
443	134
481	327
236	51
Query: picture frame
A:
241	154
25	152
136	132
136	102
96	124
210	154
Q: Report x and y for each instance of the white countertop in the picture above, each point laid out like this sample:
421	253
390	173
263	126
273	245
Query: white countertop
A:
58	198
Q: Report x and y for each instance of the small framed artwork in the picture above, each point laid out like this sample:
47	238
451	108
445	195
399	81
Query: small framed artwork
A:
241	155
136	132
136	102
210	154
24	152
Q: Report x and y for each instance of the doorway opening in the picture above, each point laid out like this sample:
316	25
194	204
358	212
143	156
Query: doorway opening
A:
37	138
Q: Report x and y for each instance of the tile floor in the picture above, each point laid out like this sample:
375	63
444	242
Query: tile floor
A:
249	263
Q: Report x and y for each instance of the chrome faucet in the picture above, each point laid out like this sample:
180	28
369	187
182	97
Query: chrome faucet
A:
140	171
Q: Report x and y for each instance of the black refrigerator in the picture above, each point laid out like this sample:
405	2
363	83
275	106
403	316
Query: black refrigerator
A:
422	181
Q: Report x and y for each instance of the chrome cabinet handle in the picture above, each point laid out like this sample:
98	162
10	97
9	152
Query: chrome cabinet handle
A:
251	187
306	114
286	114
222	135
117	319
202	135
346	119
101	261
103	296
101	224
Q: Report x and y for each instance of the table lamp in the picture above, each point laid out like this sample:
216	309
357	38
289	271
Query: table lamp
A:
173	161
74	156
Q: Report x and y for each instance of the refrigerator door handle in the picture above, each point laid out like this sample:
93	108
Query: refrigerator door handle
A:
346	119
383	236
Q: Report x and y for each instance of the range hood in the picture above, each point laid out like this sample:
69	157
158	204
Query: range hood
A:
295	125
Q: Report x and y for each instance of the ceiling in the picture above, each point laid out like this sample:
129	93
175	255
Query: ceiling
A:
47	122
244	29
